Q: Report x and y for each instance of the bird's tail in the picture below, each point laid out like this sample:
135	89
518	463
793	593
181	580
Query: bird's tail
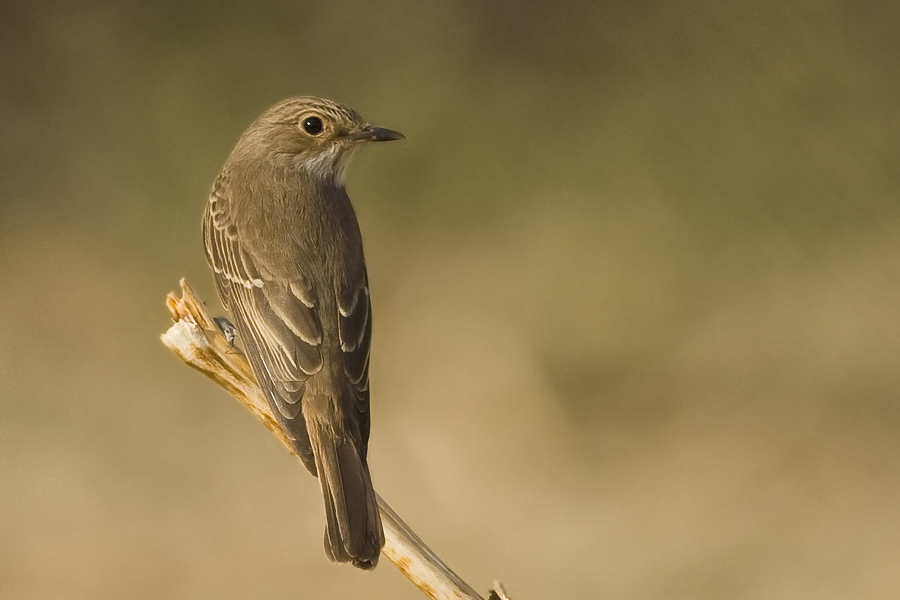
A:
353	531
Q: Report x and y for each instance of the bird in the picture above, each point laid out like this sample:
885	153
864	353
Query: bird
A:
285	247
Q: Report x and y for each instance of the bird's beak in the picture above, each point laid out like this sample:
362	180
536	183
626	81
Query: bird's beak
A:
370	133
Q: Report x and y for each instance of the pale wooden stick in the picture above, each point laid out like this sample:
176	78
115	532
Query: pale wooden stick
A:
197	340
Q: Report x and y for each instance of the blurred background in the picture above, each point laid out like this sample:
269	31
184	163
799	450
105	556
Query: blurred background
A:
635	271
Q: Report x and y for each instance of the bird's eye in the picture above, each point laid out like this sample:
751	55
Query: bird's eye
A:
312	125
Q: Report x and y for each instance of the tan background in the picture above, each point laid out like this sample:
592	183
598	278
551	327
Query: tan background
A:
636	274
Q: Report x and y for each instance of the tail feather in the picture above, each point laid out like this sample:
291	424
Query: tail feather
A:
353	531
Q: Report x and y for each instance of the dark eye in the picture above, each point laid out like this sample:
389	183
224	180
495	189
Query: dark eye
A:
312	125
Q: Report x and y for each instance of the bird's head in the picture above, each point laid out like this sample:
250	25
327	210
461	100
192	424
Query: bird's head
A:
313	134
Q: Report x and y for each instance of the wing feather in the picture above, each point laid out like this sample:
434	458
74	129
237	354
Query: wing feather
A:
355	329
279	323
281	328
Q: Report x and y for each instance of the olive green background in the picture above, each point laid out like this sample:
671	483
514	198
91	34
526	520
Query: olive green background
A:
635	272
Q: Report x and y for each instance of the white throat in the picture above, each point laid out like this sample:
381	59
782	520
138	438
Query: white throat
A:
329	165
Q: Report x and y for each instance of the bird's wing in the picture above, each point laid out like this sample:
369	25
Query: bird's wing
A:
276	319
355	328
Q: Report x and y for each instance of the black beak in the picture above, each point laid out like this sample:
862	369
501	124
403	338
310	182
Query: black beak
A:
370	133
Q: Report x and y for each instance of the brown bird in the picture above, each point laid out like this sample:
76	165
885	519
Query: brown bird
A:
281	235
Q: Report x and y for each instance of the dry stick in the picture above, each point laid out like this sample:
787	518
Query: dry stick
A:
197	340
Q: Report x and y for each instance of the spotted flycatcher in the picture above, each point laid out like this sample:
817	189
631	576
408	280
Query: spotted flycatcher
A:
285	246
